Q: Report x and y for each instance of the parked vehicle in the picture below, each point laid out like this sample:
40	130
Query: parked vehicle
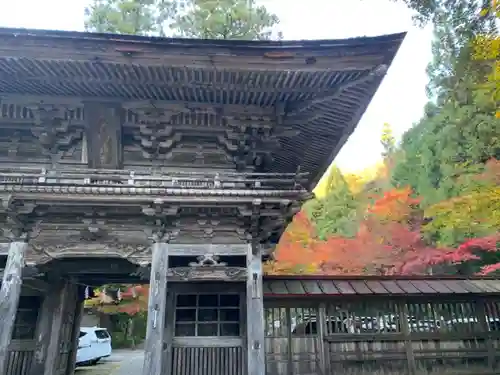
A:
94	343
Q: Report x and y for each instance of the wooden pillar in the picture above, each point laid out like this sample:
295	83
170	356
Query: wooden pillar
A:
58	317
405	329
44	328
157	308
482	315
255	312
10	292
75	334
323	351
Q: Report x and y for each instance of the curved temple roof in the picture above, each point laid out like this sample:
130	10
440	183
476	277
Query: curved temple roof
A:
317	90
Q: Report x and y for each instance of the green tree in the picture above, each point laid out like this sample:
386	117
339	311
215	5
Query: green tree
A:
210	19
137	17
459	131
338	212
388	141
225	19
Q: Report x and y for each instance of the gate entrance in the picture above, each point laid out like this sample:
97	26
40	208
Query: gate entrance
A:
209	333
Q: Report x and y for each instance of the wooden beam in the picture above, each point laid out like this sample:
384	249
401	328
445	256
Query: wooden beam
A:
195	55
169	84
255	312
132	105
157	306
10	291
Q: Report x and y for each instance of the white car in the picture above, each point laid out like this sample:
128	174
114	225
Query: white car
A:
93	344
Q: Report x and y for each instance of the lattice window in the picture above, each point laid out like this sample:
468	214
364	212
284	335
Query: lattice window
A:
207	315
26	318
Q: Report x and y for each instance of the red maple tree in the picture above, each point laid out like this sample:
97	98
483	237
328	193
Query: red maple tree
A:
388	242
295	253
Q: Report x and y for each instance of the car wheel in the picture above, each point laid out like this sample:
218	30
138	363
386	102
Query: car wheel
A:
94	361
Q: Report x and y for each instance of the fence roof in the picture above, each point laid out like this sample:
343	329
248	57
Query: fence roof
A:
309	287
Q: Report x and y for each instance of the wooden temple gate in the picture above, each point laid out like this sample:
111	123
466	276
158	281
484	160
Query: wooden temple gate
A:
312	326
173	162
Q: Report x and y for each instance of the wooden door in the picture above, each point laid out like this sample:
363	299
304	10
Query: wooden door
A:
208	333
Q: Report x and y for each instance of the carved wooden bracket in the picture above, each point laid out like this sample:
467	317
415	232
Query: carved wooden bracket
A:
52	129
19	226
161	231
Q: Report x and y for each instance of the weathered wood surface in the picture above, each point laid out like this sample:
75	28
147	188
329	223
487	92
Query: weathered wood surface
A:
195	94
157	306
189	360
20	357
255	312
67	342
10	291
75	335
55	338
104	135
44	329
388	336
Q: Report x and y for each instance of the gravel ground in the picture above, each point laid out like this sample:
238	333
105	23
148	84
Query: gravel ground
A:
121	362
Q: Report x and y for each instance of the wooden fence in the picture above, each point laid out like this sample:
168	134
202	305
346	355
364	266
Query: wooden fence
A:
357	336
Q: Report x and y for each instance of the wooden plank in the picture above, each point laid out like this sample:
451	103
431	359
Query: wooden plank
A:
494	284
469	286
344	287
323	350
157	306
44	328
328	287
376	287
169	334
454	286
360	287
439	287
407	287
392	287
197	249
77	321
104	135
55	338
256	358
423	287
10	291
295	287
311	287
278	287
481	285
405	330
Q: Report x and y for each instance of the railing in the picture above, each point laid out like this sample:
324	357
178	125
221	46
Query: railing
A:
123	178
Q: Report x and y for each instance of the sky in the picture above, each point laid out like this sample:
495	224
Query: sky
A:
399	101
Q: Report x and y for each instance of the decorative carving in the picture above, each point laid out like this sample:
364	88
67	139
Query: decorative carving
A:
18	226
207	273
53	131
134	253
207	267
160	231
207	260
